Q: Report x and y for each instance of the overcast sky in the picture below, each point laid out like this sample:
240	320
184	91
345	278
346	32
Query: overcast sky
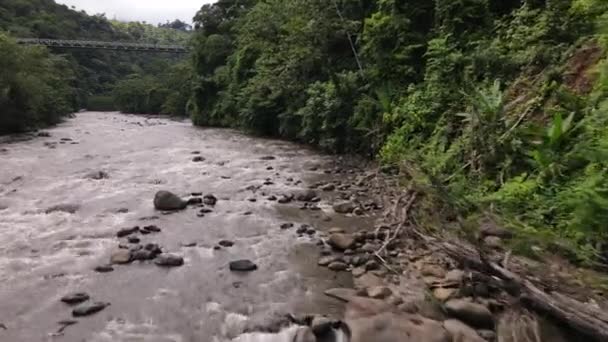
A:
152	11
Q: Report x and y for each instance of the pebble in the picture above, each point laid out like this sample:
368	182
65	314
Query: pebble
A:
226	243
104	269
169	260
127	231
75	298
87	309
243	265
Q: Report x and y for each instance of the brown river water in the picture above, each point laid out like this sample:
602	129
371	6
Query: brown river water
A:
44	256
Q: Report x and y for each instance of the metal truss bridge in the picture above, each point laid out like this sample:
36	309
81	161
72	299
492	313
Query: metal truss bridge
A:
92	44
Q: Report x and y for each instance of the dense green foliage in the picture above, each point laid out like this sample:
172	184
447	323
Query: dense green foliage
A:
91	75
499	104
35	87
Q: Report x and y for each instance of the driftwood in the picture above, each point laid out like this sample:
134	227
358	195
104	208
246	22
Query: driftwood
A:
582	318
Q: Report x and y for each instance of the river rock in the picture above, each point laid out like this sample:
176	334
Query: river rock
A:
328	187
455	276
302	229
268	158
209	199
337	266
169	260
342	241
154	248
75	298
195	201
469	312
87	309
285	199
321	325
127	231
487	335
442	294
358	271
325	261
335	230
305	195
461	332
133	239
64	208
198	159
152	228
97	175
226	243
390	327
344	207
243	265
165	200
432	270
121	256
142	255
286	225
103	269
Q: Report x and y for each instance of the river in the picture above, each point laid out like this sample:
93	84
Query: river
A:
47	254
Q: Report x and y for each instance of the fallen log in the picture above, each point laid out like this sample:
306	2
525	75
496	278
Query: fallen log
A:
580	317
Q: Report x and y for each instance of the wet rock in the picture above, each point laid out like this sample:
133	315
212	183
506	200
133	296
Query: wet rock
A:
44	134
389	327
75	298
127	231
358	211
217	248
372	265
321	325
195	201
487	335
359	260
311	231
337	266
133	239
326	250
305	195
368	248
167	201
379	292
154	248
152	228
455	276
87	309
205	211
342	241
97	175
302	229
285	199
336	230
272	198
344	207
287	225
268	158
198	159
196	194
121	256
226	243
243	265
103	269
461	332
143	255
209	199
64	208
472	313
325	261
329	187
169	260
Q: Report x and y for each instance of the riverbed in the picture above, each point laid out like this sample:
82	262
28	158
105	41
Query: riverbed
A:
46	253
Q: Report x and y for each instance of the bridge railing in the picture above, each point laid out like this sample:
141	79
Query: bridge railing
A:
94	44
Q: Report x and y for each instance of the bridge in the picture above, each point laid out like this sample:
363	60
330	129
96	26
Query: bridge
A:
93	44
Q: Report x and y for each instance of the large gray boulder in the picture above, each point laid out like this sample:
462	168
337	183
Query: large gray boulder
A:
165	200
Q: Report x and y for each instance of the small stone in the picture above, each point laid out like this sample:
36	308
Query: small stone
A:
344	207
379	292
455	276
169	260
103	269
443	294
127	231
154	248
195	201
120	256
349	252
252	199
196	194
205	211
305	195
217	248
372	265
133	239
326	250
189	244
461	331
286	225
195	152
268	158
152	228
75	298
167	201
358	271
311	231
431	270
325	261
210	199
142	255
87	309
97	175
368	248
226	243
342	241
198	159
244	265
337	266
358	211
272	198
302	229
285	199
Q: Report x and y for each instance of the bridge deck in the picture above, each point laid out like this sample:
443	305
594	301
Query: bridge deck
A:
92	44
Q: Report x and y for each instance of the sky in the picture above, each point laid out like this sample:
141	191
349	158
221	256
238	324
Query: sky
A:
151	11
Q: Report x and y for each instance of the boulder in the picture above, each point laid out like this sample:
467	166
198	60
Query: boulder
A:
342	241
344	207
461	332
472	313
390	327
167	201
